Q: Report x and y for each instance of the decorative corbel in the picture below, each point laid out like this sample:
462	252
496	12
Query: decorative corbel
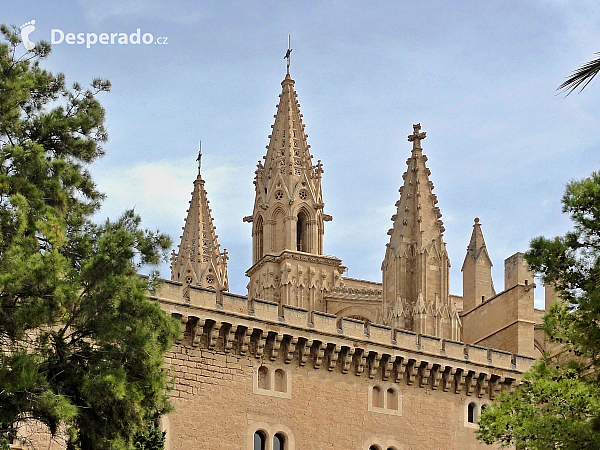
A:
228	338
197	330
290	349
334	354
213	335
245	335
319	354
460	380
276	345
448	377
401	364
437	376
482	384
347	359
374	361
261	339
360	363
425	372
412	371
305	351
496	387
471	382
388	367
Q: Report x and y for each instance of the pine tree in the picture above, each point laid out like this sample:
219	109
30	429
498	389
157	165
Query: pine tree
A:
81	345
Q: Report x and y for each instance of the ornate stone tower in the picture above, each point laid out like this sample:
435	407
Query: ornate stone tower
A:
198	260
288	219
477	271
416	265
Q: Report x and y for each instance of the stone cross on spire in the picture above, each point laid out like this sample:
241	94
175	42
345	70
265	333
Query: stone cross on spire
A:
416	137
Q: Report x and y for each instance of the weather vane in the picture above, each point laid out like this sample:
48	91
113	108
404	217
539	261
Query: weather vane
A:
288	54
199	158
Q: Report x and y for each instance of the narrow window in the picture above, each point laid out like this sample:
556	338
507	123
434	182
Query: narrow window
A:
377	397
259	239
280	385
483	407
392	399
526	282
301	233
259	440
278	442
263	378
471	413
482	298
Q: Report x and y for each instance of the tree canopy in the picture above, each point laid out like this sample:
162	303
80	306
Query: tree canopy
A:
81	345
558	403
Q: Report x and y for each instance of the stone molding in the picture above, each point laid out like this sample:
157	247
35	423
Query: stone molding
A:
255	328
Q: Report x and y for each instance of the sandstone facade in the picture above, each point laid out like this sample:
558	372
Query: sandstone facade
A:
313	360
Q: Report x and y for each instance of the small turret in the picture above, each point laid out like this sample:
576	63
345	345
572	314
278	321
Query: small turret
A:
198	260
478	285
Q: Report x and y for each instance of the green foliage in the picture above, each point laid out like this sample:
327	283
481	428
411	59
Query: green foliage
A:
558	404
152	439
81	345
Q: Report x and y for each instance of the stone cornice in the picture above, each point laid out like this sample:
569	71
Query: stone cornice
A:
265	330
296	256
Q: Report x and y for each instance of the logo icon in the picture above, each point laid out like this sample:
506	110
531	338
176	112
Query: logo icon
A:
26	30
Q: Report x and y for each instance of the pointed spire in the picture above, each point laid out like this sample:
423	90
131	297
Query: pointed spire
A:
477	247
288	153
198	260
417	218
416	264
478	285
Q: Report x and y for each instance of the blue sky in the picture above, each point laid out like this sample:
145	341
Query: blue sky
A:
480	77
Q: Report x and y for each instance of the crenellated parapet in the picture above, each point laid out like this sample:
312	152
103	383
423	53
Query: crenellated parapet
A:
266	331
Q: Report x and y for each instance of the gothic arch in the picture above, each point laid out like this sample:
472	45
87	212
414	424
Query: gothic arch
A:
279	208
303	207
259	244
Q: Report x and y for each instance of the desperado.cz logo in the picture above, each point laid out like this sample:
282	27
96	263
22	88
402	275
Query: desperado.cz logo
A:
89	39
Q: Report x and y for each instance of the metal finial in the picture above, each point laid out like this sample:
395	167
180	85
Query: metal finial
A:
199	159
288	54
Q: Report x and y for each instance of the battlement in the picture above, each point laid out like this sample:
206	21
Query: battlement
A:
253	314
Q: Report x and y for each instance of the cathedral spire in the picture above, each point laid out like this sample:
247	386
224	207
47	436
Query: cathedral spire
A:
416	265
417	218
198	260
289	201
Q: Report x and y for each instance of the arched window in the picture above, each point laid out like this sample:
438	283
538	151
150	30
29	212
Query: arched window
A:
377	397
278	442
302	232
259	440
279	232
263	377
259	238
391	448
392	399
280	381
471	412
374	447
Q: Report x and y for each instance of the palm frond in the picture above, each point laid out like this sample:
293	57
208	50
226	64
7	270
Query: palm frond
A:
582	76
